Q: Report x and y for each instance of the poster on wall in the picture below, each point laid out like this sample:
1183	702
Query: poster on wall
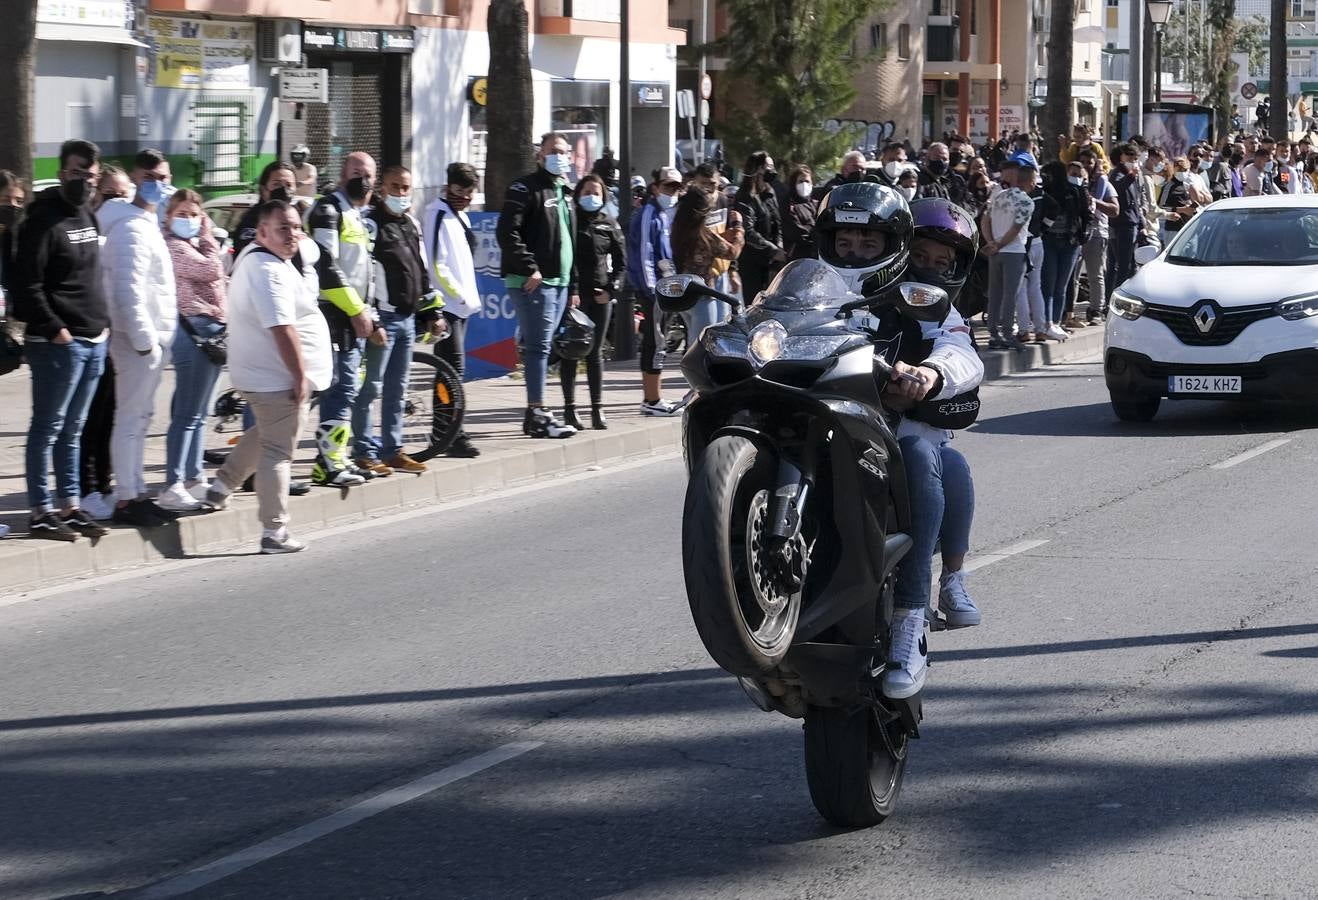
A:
191	54
492	332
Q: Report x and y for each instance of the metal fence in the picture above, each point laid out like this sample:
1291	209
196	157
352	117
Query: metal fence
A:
222	142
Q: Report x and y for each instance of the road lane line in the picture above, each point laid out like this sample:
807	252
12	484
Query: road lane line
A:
1010	550
1250	454
291	840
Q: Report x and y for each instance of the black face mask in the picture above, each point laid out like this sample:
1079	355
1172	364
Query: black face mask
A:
457	204
281	193
357	189
855	177
1236	160
8	216
769	176
76	191
936	167
297	158
955	159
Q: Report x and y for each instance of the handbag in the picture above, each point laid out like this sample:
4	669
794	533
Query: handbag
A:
216	348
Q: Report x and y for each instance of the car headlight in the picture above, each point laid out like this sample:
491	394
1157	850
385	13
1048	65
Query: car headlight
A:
766	342
1128	306
1295	308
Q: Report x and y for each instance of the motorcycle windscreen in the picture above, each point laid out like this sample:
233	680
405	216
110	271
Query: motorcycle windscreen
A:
806	284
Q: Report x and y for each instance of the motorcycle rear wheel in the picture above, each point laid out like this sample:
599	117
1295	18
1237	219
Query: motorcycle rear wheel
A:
854	764
744	619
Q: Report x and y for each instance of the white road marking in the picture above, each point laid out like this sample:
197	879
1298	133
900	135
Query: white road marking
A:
1010	550
83	585
1250	454
291	840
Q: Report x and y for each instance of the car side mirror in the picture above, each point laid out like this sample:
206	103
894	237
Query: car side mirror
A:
678	293
1146	254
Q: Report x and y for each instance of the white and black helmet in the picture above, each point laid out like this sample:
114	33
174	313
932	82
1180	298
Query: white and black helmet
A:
868	207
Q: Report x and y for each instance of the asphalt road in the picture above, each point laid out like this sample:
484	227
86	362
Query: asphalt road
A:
1135	717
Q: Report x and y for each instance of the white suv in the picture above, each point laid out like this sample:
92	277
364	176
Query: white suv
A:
1229	310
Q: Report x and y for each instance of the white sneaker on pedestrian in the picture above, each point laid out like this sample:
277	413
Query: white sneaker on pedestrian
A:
908	656
1056	333
97	505
280	541
198	491
660	408
176	498
954	600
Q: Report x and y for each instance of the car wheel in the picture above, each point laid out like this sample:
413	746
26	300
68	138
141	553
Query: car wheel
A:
1129	409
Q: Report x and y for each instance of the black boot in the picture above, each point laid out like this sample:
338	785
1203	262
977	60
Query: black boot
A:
570	417
597	420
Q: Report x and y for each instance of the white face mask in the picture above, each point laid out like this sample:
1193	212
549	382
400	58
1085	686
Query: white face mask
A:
1076	180
1159	166
1181	176
1205	165
667	201
908	193
803	189
558	164
893	169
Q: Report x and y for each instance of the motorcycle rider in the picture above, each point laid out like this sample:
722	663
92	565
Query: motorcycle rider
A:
867	234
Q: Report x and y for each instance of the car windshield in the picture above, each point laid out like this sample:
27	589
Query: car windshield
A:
806	284
1263	236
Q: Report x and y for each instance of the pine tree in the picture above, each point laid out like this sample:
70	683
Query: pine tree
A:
793	65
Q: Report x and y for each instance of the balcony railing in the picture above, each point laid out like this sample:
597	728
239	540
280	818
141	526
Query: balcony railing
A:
589	10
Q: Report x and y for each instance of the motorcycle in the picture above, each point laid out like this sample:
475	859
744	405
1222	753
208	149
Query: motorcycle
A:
797	515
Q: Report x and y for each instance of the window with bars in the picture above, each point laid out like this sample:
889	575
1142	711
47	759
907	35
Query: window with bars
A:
222	142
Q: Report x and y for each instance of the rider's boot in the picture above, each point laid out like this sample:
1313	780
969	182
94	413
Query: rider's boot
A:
332	466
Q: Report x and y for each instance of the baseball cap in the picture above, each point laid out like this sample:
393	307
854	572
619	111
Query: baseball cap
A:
638	181
668	175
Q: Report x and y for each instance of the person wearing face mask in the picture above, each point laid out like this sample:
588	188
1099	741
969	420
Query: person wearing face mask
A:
1257	177
1125	226
1152	174
451	244
535	234
601	267
338	225
1066	212
402	295
200	291
799	213
304	173
277	182
649	258
1175	196
760	215
724	221
852	170
908	183
58	294
1104	206
140	287
937	179
892	164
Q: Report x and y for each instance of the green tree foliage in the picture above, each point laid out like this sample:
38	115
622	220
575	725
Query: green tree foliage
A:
1223	30
793	63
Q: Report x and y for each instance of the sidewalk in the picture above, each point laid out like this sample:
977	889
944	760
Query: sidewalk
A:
494	417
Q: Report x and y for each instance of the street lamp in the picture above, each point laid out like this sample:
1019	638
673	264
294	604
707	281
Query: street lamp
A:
1160	11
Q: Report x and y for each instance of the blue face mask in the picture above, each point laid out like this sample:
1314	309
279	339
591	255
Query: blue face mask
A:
398	205
591	202
184	227
558	164
152	192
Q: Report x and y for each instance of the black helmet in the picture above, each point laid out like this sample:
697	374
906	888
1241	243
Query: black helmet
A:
868	207
946	223
574	335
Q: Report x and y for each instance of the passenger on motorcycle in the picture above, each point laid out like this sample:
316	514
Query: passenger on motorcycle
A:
875	241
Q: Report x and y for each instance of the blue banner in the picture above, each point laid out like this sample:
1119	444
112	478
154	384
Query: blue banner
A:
491	333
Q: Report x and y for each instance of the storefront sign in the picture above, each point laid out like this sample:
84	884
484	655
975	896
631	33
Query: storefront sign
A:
1010	119
649	95
105	13
357	40
194	53
304	85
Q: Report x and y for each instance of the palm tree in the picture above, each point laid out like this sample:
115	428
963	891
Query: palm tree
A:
1057	109
1278	126
510	94
18	58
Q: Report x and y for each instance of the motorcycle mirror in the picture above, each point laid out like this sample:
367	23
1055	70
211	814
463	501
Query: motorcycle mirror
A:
678	293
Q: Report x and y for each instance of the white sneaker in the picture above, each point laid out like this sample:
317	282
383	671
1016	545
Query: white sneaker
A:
1056	333
954	600
99	506
660	408
176	498
280	541
908	657
198	491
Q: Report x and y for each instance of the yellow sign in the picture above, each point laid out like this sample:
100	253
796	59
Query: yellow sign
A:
178	63
195	53
479	90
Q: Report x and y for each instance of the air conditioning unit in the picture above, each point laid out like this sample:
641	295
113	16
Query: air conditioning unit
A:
952	89
279	41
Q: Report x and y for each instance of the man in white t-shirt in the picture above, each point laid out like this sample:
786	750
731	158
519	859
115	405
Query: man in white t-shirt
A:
1006	228
279	352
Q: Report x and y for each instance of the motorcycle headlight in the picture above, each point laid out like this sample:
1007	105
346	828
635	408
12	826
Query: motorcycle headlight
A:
814	346
766	342
1295	308
722	342
1128	306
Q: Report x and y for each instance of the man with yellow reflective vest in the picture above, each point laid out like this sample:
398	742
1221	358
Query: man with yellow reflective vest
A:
338	224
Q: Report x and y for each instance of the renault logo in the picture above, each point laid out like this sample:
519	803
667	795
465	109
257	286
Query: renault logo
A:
1205	317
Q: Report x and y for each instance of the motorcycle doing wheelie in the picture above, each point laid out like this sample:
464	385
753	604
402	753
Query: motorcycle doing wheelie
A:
797	516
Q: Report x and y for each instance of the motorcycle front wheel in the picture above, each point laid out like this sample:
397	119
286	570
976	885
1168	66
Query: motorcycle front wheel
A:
854	763
745	616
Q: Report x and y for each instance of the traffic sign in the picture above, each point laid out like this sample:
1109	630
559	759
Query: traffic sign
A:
304	85
706	86
479	91
1249	90
704	112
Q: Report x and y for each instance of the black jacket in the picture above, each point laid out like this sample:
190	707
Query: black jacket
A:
799	228
57	276
398	257
528	234
1065	213
764	227
946	187
599	242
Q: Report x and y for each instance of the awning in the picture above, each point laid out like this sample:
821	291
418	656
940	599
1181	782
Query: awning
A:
87	34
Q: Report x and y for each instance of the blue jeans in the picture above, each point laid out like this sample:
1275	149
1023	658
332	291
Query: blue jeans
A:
1059	257
194	383
942	496
336	403
64	378
538	313
386	378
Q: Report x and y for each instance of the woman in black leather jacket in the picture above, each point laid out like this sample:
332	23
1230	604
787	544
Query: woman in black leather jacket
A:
601	267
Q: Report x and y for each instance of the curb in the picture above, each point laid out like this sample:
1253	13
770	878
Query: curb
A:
29	564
